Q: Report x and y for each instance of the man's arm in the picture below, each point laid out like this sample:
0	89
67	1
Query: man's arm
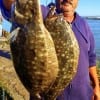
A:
6	8
8	3
95	82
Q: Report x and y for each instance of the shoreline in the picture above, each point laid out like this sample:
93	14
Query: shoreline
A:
92	17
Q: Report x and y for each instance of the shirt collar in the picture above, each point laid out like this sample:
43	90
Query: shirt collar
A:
79	23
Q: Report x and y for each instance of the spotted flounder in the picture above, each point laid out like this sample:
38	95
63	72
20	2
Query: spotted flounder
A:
67	50
32	48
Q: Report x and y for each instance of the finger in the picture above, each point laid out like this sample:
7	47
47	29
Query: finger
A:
92	97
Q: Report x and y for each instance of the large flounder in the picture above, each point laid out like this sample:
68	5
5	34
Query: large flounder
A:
33	50
67	52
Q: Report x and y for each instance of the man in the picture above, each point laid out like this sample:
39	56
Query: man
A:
7	6
80	87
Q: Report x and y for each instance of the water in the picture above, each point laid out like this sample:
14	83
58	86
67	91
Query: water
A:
95	27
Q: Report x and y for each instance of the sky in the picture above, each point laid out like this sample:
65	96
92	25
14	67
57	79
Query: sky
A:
6	25
85	8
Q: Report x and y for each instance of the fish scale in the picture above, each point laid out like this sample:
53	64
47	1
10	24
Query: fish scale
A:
32	48
67	50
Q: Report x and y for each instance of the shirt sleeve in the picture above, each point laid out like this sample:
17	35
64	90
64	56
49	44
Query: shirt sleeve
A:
45	11
91	52
5	13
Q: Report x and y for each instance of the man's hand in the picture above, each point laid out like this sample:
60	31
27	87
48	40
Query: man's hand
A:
95	82
96	95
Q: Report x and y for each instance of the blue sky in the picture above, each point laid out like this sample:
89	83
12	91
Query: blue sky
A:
89	7
6	25
85	8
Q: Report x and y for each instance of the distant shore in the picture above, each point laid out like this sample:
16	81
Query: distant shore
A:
92	17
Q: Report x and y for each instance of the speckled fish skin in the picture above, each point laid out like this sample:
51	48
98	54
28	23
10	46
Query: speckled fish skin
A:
33	50
67	52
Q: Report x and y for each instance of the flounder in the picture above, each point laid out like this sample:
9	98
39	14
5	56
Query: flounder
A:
33	50
67	50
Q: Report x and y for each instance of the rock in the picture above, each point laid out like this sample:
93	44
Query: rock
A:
10	82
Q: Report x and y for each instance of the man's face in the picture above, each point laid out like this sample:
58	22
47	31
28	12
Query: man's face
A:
66	5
